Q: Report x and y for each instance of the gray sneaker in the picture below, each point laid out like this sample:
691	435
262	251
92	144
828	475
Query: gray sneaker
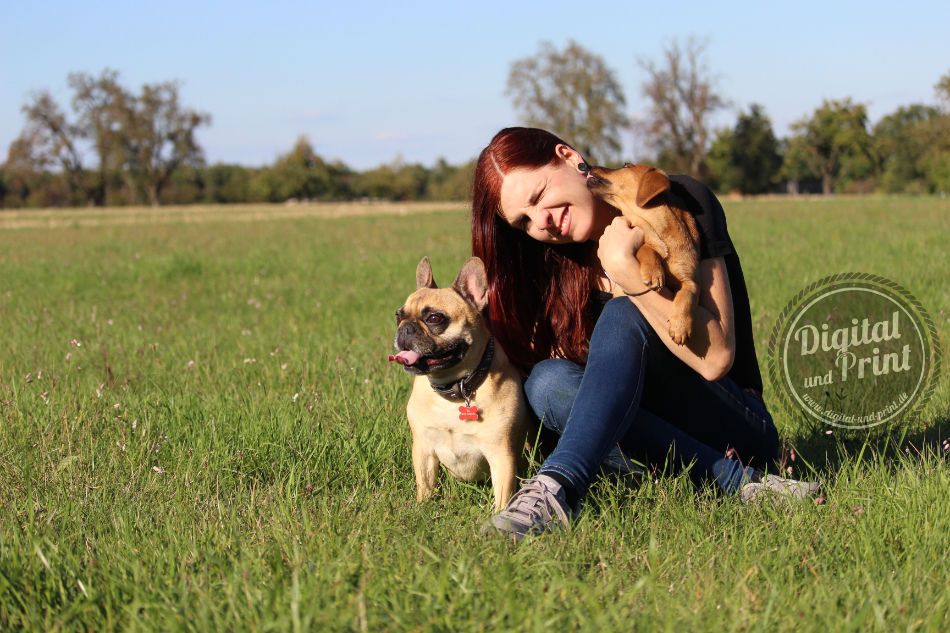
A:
776	488
538	506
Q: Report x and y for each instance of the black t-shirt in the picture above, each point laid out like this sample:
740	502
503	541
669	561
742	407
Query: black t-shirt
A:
715	242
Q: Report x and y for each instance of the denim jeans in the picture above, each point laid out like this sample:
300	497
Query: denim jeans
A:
635	399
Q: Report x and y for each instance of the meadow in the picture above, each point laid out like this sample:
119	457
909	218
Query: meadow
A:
199	431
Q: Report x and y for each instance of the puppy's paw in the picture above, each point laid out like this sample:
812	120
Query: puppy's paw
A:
653	277
651	268
680	328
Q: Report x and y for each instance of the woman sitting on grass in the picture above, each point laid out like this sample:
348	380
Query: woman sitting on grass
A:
603	372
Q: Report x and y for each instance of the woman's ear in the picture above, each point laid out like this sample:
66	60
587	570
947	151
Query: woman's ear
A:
568	153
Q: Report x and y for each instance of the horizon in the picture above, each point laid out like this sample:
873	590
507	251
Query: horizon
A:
366	90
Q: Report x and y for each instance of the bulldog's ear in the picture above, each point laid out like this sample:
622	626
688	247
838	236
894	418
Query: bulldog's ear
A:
424	277
652	184
472	283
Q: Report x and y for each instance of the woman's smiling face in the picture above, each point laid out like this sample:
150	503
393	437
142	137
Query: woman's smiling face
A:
552	203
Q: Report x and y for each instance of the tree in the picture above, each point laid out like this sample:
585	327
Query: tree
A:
144	138
747	156
574	94
450	182
902	143
158	136
98	103
51	140
682	97
832	145
936	162
303	175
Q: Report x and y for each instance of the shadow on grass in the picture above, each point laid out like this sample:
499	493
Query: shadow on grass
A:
826	449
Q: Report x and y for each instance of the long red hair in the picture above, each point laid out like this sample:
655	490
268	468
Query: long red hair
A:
537	293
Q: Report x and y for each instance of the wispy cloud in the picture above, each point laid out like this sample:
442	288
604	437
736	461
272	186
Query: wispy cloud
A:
388	135
312	116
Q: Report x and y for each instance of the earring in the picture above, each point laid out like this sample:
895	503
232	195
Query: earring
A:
583	168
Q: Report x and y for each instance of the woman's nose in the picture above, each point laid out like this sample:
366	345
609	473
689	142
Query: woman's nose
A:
545	220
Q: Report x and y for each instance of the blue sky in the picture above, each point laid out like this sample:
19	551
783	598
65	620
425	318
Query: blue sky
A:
367	81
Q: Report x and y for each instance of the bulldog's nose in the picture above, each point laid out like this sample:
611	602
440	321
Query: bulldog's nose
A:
407	334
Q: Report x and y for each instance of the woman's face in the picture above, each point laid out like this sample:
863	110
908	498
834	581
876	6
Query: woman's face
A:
552	203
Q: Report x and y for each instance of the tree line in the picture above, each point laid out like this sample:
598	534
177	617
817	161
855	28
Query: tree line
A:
114	146
835	148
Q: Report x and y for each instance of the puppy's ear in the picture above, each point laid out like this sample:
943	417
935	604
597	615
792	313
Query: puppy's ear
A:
424	277
472	283
652	184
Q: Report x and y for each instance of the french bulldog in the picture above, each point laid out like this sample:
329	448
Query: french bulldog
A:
467	409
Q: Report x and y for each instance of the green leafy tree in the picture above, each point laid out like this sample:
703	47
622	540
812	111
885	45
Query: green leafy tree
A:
902	144
397	180
227	183
746	158
936	162
573	93
450	182
833	145
301	174
682	96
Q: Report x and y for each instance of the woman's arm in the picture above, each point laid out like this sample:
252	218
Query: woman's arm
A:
711	347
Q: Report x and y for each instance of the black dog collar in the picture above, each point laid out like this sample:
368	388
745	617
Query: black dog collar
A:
464	389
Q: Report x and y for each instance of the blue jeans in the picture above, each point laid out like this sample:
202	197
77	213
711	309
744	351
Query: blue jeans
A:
635	399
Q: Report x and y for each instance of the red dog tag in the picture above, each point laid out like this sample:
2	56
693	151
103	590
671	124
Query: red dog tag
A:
468	413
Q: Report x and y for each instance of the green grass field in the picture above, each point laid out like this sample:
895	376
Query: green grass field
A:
199	431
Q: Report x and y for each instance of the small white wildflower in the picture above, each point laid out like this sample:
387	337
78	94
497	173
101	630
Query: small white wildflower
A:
283	366
294	398
158	469
190	365
250	361
109	321
75	342
245	332
829	432
45	397
99	389
117	406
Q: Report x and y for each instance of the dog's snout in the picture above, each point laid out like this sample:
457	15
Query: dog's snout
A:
596	181
407	335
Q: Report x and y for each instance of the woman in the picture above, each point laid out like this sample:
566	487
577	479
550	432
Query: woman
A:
603	372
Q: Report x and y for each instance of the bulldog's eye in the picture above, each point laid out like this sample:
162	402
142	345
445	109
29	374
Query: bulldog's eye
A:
435	319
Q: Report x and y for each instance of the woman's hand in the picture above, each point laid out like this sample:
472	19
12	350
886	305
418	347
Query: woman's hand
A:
616	252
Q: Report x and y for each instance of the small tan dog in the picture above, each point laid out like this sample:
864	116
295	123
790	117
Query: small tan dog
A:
467	409
670	235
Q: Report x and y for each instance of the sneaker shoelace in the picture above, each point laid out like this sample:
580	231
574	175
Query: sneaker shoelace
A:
537	503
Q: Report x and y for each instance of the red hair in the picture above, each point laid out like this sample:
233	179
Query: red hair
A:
537	293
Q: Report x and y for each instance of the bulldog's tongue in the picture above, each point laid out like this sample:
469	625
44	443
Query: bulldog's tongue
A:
406	357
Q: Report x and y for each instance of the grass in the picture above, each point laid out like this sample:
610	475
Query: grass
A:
200	432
